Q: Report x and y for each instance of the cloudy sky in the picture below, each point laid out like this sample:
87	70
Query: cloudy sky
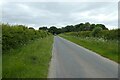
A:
60	14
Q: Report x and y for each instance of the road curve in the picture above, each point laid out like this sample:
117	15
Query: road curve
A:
70	60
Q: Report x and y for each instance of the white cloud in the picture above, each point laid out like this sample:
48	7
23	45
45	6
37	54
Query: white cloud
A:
24	7
98	17
106	15
36	12
111	27
60	14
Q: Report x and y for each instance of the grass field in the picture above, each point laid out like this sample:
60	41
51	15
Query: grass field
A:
29	61
107	49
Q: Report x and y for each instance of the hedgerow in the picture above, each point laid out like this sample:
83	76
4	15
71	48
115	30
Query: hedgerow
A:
14	36
105	34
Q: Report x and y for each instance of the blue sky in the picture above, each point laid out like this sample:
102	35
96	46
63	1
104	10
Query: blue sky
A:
51	13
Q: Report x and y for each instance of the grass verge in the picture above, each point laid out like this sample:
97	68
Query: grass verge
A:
29	61
108	49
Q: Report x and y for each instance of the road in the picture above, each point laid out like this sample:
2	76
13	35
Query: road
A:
70	60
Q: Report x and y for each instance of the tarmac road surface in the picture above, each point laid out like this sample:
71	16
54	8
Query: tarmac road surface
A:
70	60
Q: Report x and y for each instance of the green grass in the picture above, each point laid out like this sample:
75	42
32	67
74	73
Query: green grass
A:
29	61
108	49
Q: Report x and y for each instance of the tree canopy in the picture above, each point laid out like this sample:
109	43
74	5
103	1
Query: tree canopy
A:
74	28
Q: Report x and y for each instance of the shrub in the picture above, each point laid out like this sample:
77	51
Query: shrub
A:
99	33
96	32
14	36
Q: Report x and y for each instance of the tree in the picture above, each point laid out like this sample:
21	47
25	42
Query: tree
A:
79	27
87	26
96	31
53	30
70	28
43	28
31	28
92	26
102	26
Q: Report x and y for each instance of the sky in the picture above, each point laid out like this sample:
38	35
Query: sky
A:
51	13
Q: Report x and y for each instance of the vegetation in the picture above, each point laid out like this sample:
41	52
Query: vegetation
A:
104	42
26	51
29	61
74	28
14	36
98	33
53	30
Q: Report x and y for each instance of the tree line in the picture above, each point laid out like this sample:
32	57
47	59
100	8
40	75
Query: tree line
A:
73	28
86	30
104	34
14	36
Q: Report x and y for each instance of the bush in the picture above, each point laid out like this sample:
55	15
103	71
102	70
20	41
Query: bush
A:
98	32
14	36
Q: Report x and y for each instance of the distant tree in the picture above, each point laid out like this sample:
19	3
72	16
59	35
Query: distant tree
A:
59	30
73	28
102	26
43	28
87	26
92	26
82	27
31	28
79	27
69	28
53	30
